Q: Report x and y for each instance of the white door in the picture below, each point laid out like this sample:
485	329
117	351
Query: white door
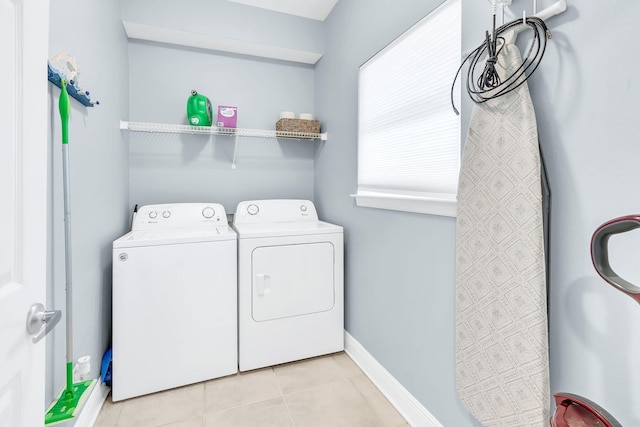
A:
292	280
24	26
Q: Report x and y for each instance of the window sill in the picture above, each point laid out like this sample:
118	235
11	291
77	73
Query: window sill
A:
443	205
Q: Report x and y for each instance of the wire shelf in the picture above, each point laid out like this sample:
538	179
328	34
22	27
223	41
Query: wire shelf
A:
213	130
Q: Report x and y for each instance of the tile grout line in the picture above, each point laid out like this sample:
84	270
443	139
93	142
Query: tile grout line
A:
366	401
286	404
244	404
204	403
119	411
284	398
239	406
317	386
341	378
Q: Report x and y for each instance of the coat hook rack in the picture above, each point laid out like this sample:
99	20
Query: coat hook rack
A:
555	9
82	96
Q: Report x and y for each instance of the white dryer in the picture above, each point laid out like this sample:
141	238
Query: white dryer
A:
174	299
290	283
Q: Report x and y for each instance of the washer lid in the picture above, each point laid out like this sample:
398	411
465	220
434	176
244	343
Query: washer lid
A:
169	237
282	229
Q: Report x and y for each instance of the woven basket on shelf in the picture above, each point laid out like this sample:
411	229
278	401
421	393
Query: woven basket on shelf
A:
298	125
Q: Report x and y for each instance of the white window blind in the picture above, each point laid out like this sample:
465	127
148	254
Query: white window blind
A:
408	134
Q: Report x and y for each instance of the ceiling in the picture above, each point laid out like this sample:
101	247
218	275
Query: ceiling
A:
313	9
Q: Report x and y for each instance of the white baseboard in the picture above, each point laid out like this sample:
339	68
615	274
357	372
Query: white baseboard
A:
89	413
404	402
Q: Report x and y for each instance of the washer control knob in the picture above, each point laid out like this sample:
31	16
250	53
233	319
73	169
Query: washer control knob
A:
153	214
253	209
208	212
166	214
303	208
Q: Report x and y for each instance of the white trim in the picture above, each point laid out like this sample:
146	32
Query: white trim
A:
91	410
139	31
432	206
400	398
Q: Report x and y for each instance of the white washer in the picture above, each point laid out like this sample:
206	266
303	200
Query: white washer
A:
290	283
174	299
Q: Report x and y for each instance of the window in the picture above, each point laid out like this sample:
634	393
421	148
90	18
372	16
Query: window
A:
408	134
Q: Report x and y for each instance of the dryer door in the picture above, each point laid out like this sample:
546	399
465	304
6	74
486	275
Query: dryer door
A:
292	280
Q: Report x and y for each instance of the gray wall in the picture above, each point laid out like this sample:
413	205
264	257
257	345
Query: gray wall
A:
186	168
400	272
400	267
189	168
586	101
92	32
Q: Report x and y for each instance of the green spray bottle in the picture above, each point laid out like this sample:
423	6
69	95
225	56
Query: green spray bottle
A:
199	110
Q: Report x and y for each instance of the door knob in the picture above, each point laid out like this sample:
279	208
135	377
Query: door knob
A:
40	322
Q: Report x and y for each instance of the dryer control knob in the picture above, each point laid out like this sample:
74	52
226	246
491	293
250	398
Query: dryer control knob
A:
153	214
208	212
303	208
253	209
166	214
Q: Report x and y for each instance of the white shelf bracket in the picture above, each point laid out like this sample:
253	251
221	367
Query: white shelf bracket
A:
235	151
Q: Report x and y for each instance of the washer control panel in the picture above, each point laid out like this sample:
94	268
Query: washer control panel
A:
284	210
179	215
253	209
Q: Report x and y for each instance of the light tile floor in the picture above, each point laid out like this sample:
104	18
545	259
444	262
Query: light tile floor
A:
324	391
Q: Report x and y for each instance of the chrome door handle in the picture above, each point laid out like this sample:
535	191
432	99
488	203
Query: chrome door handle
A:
40	322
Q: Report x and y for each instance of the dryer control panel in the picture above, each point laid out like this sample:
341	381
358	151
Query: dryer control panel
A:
282	210
179	215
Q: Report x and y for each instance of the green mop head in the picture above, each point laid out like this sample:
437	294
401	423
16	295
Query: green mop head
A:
68	403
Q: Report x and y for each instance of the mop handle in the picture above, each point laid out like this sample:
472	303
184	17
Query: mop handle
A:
65	109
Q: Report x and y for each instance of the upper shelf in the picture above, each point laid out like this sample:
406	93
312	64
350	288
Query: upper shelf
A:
154	33
213	130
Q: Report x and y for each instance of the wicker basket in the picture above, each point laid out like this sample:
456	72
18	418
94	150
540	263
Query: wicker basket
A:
298	125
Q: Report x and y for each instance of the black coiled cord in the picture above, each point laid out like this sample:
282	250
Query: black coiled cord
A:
488	85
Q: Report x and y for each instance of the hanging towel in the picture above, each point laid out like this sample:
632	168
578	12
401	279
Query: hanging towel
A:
502	359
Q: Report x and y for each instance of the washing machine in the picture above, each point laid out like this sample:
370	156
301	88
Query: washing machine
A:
174	299
290	283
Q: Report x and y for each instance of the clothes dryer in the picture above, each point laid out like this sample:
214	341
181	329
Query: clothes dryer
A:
174	299
290	283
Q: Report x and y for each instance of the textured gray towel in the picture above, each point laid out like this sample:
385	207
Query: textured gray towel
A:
502	360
